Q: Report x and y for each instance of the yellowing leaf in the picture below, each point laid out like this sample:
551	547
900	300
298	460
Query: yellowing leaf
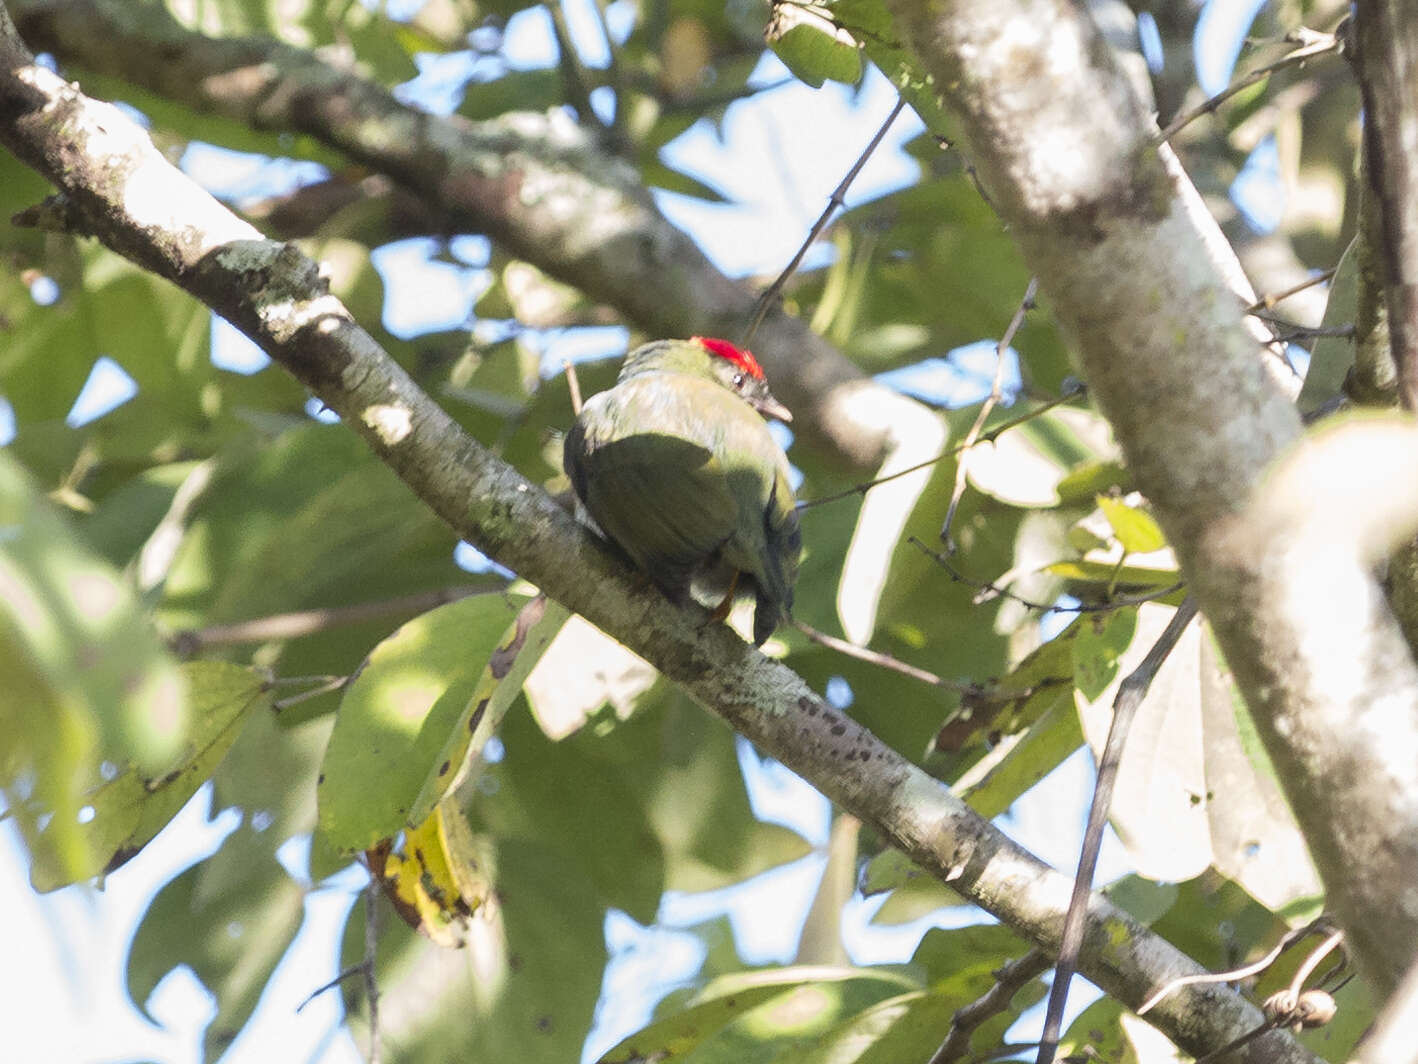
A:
1135	529
439	878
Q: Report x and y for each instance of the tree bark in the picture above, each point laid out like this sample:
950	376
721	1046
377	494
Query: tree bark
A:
1136	279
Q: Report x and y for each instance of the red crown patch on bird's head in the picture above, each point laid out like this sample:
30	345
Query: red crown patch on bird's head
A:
727	351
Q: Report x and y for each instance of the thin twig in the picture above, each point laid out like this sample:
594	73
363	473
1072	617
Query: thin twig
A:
613	72
189	642
836	200
353	969
573	383
996	392
573	72
1312	43
886	661
1270	302
332	683
1010	978
1319	953
1243	972
987	437
1130	694
371	944
988	587
1284	333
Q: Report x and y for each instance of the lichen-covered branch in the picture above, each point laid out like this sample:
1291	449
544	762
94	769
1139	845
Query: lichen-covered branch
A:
120	189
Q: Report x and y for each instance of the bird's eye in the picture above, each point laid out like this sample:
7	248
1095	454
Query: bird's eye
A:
738	380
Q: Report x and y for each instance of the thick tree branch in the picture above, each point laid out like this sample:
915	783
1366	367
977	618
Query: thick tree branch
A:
126	194
1387	66
1136	277
537	184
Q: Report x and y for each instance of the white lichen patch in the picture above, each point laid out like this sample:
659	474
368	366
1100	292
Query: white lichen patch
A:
392	422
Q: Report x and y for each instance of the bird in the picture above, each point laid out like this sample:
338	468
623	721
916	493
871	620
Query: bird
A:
676	466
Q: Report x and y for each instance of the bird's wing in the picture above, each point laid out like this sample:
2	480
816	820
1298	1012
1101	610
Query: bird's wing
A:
663	499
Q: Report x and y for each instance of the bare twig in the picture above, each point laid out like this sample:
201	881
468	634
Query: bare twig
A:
613	72
573	71
1010	978
837	200
886	661
192	641
1270	302
573	384
1245	971
371	945
996	391
987	437
353	969
325	686
1319	953
1286	333
1292	1007
991	589
1312	43
1125	705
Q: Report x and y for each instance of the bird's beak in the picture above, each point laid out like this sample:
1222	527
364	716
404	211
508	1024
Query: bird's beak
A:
769	407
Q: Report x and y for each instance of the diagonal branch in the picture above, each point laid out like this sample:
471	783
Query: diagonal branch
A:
129	197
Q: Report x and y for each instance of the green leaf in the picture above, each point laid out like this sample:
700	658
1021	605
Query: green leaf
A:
400	712
993	784
812	46
680	1032
495	689
1144	899
124	814
1216	923
574	797
1134	527
310	518
1101	640
1332	356
1120	578
914	891
1098	1034
776	1014
86	681
231	939
657	174
1085	482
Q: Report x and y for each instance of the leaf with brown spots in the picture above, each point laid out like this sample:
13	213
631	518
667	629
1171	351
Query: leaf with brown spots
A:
516	654
124	813
405	714
438	879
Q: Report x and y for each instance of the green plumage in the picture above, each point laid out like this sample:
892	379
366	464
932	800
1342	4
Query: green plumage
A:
679	470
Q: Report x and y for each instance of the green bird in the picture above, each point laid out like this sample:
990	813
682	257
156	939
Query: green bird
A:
678	469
